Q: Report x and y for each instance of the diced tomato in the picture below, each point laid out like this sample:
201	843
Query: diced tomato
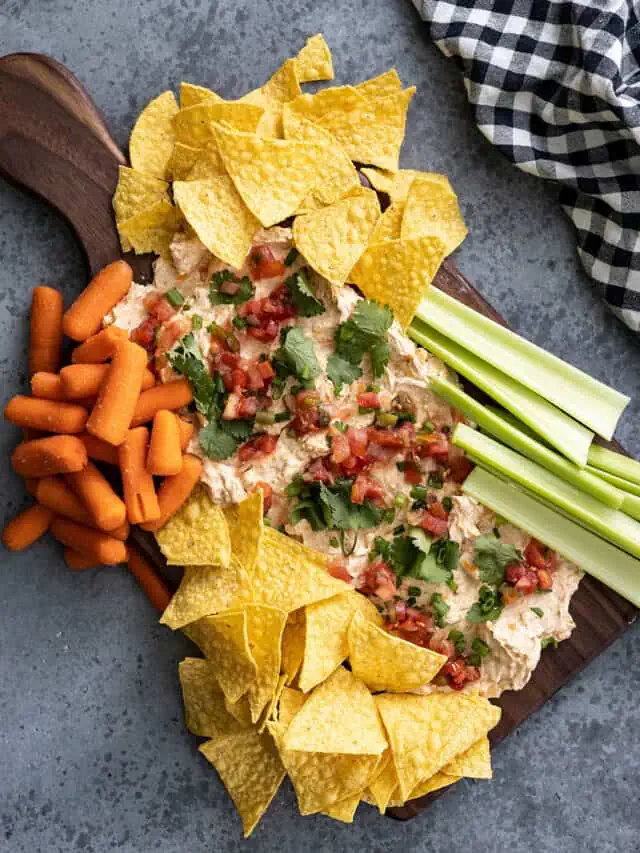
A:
307	411
340	449
263	263
318	473
458	673
415	627
434	524
161	309
433	445
443	646
267	495
231	359
412	474
338	569
527	584
171	333
265	369
259	445
366	488
378	579
232	407
387	437
255	382
358	440
459	468
266	333
537	555
248	407
522	577
369	400
238	378
545	579
145	334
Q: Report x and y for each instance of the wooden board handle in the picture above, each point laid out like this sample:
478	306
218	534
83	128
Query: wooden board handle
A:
54	142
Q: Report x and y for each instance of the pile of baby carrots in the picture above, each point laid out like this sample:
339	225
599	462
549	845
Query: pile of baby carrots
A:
106	408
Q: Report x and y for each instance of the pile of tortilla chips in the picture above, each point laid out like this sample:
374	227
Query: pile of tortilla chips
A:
222	170
272	695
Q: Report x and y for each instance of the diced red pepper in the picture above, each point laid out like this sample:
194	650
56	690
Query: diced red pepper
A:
259	445
369	400
264	264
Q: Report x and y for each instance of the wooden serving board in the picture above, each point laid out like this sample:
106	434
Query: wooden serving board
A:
55	143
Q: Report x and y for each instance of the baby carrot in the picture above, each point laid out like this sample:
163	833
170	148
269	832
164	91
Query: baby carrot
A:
54	493
186	433
26	527
31	485
84	380
47	385
171	395
153	586
45	346
99	449
58	454
77	562
99	347
111	416
165	456
47	415
137	483
175	490
101	547
104	505
84	318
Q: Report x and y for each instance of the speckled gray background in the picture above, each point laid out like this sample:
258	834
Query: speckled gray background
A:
93	755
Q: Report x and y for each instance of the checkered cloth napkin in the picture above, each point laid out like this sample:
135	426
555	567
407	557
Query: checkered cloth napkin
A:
556	87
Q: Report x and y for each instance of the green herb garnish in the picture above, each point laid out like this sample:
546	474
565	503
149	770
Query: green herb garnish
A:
296	356
245	291
538	611
487	608
440	609
479	650
302	297
458	640
492	558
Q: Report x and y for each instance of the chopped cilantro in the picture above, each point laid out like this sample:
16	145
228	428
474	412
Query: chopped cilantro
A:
364	332
341	372
492	557
434	481
302	297
458	640
245	291
334	542
186	359
296	356
549	641
215	442
538	611
488	606
447	504
291	257
380	355
440	609
414	591
453	586
331	507
239	322
340	425
479	650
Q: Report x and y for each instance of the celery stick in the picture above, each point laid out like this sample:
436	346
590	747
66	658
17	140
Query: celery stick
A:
614	463
611	524
610	565
566	435
502	429
586	399
630	491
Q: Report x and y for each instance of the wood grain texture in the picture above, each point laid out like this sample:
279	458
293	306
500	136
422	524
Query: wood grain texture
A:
54	142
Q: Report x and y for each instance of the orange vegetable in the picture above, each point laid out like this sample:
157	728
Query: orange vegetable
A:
45	345
84	318
175	490
31	485
186	433
104	505
57	454
99	546
153	586
78	562
171	395
99	347
47	385
84	380
139	491
165	455
54	493
26	527
111	416
99	449
47	415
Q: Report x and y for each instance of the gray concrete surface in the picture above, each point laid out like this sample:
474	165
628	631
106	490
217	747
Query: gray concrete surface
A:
93	755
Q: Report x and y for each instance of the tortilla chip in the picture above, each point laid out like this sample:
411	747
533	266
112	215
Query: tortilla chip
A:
321	779
437	781
151	230
191	95
153	136
194	126
474	763
270	125
327	628
327	101
270	711
389	225
136	192
291	701
398	272
245	523
283	86
313	61
224	640
197	535
427	732
208	164
332	239
293	642
384	783
385	662
251	770
345	810
219	217
431	210
239	710
271	175
182	161
289	575
385	84
396	184
336	173
205	713
206	590
338	717
264	632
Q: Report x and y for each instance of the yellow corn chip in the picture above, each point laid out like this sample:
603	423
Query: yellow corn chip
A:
384	783
389	225
387	83
345	810
208	165
205	590
328	101
251	770
474	763
151	230
283	86
332	239
314	62
321	779
396	184
153	137
270	125
437	781
385	662
197	535
219	217
191	95
223	639
271	175
291	701
270	712
264	632
431	210
245	528
136	192
293	641
398	272
205	713
239	710
290	575
182	161
327	627
427	732
194	126
339	717
337	174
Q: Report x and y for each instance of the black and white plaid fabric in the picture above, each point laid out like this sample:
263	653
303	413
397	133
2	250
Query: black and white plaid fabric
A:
556	87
